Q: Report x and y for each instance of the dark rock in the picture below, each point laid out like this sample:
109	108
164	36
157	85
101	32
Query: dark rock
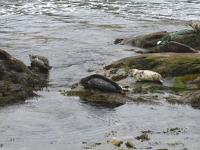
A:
176	47
17	82
150	41
147	41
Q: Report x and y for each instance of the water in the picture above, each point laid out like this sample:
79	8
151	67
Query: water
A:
77	36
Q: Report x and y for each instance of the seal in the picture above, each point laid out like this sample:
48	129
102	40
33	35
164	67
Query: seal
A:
39	61
101	83
147	75
195	25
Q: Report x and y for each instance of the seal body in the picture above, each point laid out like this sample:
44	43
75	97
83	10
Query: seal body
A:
195	25
39	61
147	75
101	83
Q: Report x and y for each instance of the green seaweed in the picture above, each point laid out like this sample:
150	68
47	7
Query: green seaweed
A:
189	77
179	83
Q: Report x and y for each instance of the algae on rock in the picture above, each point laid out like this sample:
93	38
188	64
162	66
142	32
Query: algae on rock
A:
17	82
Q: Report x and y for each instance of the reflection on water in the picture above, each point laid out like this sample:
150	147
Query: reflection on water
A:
77	36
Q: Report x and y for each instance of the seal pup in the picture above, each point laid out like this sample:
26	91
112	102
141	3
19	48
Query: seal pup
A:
147	75
195	25
101	83
39	61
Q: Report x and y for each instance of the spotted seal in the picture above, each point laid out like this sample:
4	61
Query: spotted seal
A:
147	75
39	61
195	25
101	83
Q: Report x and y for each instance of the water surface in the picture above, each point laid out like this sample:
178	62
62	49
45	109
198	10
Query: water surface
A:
78	36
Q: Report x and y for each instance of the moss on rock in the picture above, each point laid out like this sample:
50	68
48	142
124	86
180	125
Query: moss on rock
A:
173	64
17	82
99	96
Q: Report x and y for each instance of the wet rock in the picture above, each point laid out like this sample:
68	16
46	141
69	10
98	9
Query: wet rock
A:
192	99
130	144
150	41
166	64
145	41
176	47
143	137
182	69
17	82
116	142
99	96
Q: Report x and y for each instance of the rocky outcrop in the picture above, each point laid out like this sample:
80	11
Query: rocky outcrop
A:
181	73
174	64
174	55
185	41
17	81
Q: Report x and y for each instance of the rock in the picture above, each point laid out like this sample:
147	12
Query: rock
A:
192	99
175	47
181	71
143	137
116	142
150	41
99	96
129	144
145	41
166	64
17	82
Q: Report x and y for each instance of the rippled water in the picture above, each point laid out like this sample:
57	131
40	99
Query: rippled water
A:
77	36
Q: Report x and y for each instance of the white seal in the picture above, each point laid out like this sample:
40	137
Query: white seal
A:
147	75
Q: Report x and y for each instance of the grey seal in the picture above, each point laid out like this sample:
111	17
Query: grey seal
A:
101	83
39	61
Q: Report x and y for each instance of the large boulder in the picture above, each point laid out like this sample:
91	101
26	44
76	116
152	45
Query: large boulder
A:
185	41
174	64
17	82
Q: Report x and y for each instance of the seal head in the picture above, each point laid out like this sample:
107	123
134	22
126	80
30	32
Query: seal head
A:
101	83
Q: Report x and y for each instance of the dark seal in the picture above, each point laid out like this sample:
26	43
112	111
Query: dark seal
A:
101	83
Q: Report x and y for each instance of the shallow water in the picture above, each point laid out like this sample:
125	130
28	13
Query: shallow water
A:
77	36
